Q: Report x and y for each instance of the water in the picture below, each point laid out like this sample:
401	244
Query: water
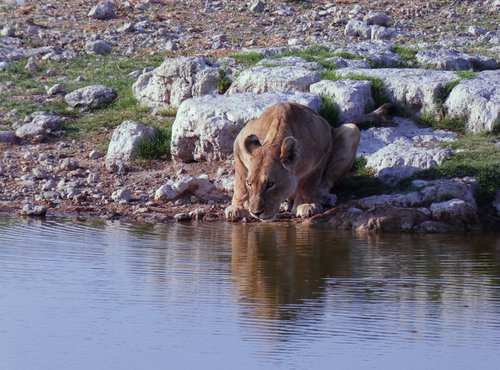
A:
107	295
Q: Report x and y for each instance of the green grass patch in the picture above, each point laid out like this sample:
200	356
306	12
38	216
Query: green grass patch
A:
223	82
464	75
248	59
156	148
329	111
378	91
408	54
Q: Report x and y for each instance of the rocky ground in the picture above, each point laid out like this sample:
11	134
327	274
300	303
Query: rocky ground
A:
44	164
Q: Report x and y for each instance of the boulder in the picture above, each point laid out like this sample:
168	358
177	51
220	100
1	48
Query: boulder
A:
39	126
185	185
425	209
103	11
205	127
376	18
267	79
452	60
378	51
8	137
290	61
341	62
94	96
357	28
382	33
122	195
352	97
98	47
400	151
126	139
176	80
416	88
477	101
33	210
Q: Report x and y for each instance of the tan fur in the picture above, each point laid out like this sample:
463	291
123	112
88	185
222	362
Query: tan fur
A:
289	152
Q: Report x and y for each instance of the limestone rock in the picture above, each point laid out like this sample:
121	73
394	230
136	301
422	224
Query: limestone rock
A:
378	51
398	152
257	6
267	79
290	61
33	210
40	125
417	88
377	18
352	97
122	195
205	127
477	100
185	185
176	80
98	47
341	62
103	11
357	28
452	60
126	139
94	96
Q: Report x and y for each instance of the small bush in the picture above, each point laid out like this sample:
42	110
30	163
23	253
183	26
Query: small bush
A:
158	147
223	82
406	53
330	111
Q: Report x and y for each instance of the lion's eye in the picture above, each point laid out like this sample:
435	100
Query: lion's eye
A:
249	184
270	185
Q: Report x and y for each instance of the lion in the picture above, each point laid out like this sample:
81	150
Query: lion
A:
289	153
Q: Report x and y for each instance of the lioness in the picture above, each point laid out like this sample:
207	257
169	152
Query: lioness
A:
289	153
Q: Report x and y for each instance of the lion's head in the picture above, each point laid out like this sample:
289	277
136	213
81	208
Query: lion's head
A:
271	178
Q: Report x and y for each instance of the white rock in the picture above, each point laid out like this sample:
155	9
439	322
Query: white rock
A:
126	139
122	195
382	33
348	63
447	59
378	51
176	80
40	173
68	164
205	127
377	18
477	100
267	79
33	210
200	187
352	97
357	28
98	47
40	124
94	96
104	10
417	88
454	209
257	6
290	61
95	154
4	66
55	90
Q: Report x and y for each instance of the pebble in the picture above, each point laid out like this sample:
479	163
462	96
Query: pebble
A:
33	210
123	195
40	173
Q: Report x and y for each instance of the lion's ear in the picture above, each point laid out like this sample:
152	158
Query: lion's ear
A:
251	143
289	152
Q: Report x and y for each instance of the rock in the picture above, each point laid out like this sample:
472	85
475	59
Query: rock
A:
409	212
182	217
205	127
185	185
352	97
378	51
127	27
115	166
103	11
40	173
68	164
7	31
126	139
257	6
4	66
31	66
396	152
98	47
176	80
376	18
476	31
290	61
33	210
419	89
267	79
57	89
122	195
94	96
95	154
41	124
452	60
8	137
477	101
382	33
348	63
357	28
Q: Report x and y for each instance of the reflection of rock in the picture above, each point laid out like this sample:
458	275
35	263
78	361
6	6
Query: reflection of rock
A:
274	266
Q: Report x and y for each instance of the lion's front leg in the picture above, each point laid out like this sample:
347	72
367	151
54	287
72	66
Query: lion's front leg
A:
238	210
308	197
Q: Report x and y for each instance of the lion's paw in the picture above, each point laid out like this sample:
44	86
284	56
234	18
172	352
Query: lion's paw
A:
308	210
234	213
